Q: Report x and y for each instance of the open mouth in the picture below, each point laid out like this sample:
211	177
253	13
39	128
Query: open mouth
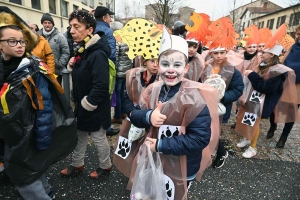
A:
171	78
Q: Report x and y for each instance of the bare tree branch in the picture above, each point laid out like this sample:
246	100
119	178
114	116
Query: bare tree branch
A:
162	11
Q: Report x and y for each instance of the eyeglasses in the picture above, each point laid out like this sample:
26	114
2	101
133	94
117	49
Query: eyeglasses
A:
13	43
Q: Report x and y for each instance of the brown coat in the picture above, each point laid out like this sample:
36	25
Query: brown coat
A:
44	52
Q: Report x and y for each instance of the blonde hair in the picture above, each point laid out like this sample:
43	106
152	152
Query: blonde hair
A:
273	61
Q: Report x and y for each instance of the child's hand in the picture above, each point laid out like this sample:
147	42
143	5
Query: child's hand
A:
157	119
151	142
247	72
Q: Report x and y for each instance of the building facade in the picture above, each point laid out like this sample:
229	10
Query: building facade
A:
32	10
289	15
236	13
254	12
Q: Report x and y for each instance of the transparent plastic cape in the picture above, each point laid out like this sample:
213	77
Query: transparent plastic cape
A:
134	89
226	72
286	109
181	110
195	69
249	64
133	84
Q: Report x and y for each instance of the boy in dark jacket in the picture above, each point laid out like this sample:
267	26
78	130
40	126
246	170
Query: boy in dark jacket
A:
26	125
181	122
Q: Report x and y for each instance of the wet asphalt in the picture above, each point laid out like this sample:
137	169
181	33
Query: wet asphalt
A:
237	179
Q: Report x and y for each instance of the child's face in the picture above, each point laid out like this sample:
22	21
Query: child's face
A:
192	49
152	66
12	43
172	68
218	56
260	47
266	57
251	49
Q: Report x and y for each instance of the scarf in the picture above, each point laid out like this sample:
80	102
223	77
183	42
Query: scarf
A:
248	56
47	33
10	65
293	60
79	48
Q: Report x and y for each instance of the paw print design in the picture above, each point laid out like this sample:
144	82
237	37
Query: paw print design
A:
249	119
176	133
167	134
255	97
124	149
169	190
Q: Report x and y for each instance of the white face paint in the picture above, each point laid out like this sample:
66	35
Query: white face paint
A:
172	68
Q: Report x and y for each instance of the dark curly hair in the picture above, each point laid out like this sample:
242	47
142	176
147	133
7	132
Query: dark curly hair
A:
83	17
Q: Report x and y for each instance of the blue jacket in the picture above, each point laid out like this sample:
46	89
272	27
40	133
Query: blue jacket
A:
104	27
43	120
272	88
191	144
127	104
232	94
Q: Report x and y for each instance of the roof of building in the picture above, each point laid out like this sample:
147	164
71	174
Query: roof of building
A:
259	10
283	9
252	3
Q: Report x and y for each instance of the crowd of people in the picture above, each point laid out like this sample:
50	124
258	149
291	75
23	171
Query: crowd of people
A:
174	90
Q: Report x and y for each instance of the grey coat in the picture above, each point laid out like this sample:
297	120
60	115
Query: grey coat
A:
123	62
60	49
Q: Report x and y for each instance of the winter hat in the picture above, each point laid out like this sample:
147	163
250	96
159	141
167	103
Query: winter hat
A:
178	23
8	17
48	17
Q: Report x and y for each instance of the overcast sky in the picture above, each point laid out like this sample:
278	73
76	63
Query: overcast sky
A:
214	8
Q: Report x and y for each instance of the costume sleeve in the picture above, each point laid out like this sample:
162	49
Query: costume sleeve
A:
266	86
43	118
235	88
100	74
49	57
196	138
139	118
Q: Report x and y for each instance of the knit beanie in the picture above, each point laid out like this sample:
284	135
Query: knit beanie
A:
48	17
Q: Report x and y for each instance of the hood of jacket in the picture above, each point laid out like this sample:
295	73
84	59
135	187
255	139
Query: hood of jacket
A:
97	42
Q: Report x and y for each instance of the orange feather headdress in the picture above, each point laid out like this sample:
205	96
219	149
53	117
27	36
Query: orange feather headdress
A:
277	37
199	30
252	33
222	34
265	34
272	46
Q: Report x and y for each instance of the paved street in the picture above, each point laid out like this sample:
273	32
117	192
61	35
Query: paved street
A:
272	174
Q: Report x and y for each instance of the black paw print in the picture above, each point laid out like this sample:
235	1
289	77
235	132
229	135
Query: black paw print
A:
124	148
168	189
176	133
249	119
168	133
255	97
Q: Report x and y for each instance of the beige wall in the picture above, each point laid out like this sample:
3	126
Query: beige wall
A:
240	10
27	13
275	16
